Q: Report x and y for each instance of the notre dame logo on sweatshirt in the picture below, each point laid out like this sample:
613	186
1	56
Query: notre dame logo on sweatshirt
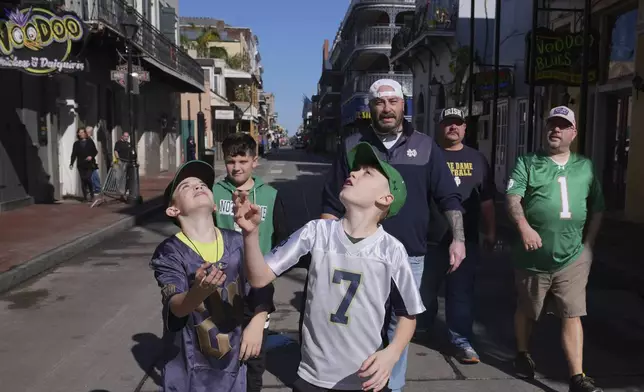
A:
226	208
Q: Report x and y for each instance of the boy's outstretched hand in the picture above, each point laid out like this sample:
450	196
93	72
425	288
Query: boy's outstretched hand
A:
247	216
377	369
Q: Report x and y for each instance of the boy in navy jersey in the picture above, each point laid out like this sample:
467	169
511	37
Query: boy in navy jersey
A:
203	291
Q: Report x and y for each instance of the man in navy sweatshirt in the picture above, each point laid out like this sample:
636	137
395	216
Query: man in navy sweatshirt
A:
425	172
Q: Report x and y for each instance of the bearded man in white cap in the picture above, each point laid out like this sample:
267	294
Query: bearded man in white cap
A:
550	195
427	177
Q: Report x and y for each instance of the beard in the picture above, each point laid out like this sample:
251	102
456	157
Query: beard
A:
386	128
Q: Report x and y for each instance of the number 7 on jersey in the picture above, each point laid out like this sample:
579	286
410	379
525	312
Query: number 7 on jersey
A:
340	316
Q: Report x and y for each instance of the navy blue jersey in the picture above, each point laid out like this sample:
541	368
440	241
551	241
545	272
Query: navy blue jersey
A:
206	342
471	173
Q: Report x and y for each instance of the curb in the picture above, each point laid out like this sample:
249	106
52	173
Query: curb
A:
52	258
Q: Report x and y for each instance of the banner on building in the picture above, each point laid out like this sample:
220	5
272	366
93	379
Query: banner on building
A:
559	57
39	42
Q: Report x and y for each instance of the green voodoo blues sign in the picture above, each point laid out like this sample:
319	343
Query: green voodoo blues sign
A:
38	41
559	57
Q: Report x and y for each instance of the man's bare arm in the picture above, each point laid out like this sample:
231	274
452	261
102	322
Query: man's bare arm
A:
593	229
515	210
328	216
455	219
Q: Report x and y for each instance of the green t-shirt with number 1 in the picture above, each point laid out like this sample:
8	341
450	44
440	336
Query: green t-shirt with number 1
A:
557	200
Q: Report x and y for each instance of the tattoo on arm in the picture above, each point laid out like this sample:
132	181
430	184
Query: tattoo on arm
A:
455	219
515	209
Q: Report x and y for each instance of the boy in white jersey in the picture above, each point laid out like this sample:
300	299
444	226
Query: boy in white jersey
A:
357	271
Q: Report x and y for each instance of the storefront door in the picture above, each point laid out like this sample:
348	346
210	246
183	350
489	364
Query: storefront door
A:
617	145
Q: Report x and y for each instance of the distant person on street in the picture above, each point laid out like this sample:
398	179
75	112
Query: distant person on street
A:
241	160
84	155
96	178
553	196
123	149
471	173
124	155
423	167
191	149
356	267
204	292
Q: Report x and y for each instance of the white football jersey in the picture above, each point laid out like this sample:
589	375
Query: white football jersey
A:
349	285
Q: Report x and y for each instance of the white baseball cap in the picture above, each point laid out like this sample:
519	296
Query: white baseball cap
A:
563	112
397	89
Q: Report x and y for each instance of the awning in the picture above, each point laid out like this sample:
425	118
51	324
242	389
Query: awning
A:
237	76
218	100
250	112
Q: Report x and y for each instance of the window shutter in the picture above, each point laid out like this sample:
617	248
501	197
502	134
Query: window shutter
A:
168	23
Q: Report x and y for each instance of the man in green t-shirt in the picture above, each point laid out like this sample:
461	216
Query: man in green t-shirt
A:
552	197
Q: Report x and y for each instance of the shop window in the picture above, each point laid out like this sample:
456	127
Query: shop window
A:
523	127
622	46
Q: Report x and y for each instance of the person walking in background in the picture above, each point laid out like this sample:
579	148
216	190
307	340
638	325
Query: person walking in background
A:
96	178
471	173
124	154
424	169
191	149
550	196
84	155
123	149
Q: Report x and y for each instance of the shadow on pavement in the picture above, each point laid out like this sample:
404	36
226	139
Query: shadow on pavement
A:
282	362
148	352
614	345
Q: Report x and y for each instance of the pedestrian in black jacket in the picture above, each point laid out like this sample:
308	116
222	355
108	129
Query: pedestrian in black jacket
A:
84	154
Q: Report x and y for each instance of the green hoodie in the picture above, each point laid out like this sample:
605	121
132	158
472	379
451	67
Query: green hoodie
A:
261	194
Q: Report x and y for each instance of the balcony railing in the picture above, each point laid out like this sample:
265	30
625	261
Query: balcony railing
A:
148	38
438	17
368	37
361	83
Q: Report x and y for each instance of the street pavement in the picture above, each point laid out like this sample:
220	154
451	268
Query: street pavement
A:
94	323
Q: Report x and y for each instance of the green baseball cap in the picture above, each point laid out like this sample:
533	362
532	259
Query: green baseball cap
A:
364	154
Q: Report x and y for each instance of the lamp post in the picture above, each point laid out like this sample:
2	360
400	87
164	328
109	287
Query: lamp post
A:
130	28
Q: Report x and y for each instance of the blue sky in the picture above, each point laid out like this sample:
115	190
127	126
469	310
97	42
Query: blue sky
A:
291	34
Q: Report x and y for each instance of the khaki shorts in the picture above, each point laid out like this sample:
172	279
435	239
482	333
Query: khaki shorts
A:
567	288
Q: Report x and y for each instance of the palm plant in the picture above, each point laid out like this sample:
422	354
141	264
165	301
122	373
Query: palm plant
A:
202	43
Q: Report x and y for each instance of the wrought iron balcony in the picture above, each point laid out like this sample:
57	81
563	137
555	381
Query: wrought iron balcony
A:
372	37
439	17
149	40
361	83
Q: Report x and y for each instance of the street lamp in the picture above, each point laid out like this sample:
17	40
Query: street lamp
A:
130	28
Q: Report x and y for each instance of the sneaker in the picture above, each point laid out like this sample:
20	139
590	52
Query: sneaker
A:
466	355
581	383
524	366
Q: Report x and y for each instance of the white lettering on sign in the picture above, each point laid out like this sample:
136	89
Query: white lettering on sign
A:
226	208
41	63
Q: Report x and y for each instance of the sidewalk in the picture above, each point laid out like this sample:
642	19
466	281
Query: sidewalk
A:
38	237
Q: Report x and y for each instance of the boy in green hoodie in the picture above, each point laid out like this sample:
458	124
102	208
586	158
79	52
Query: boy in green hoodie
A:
240	155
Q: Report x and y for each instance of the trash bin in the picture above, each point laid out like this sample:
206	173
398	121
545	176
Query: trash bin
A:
209	156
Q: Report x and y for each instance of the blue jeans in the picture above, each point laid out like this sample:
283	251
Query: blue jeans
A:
459	292
397	379
96	182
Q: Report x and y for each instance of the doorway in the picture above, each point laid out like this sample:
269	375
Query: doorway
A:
500	164
618	129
